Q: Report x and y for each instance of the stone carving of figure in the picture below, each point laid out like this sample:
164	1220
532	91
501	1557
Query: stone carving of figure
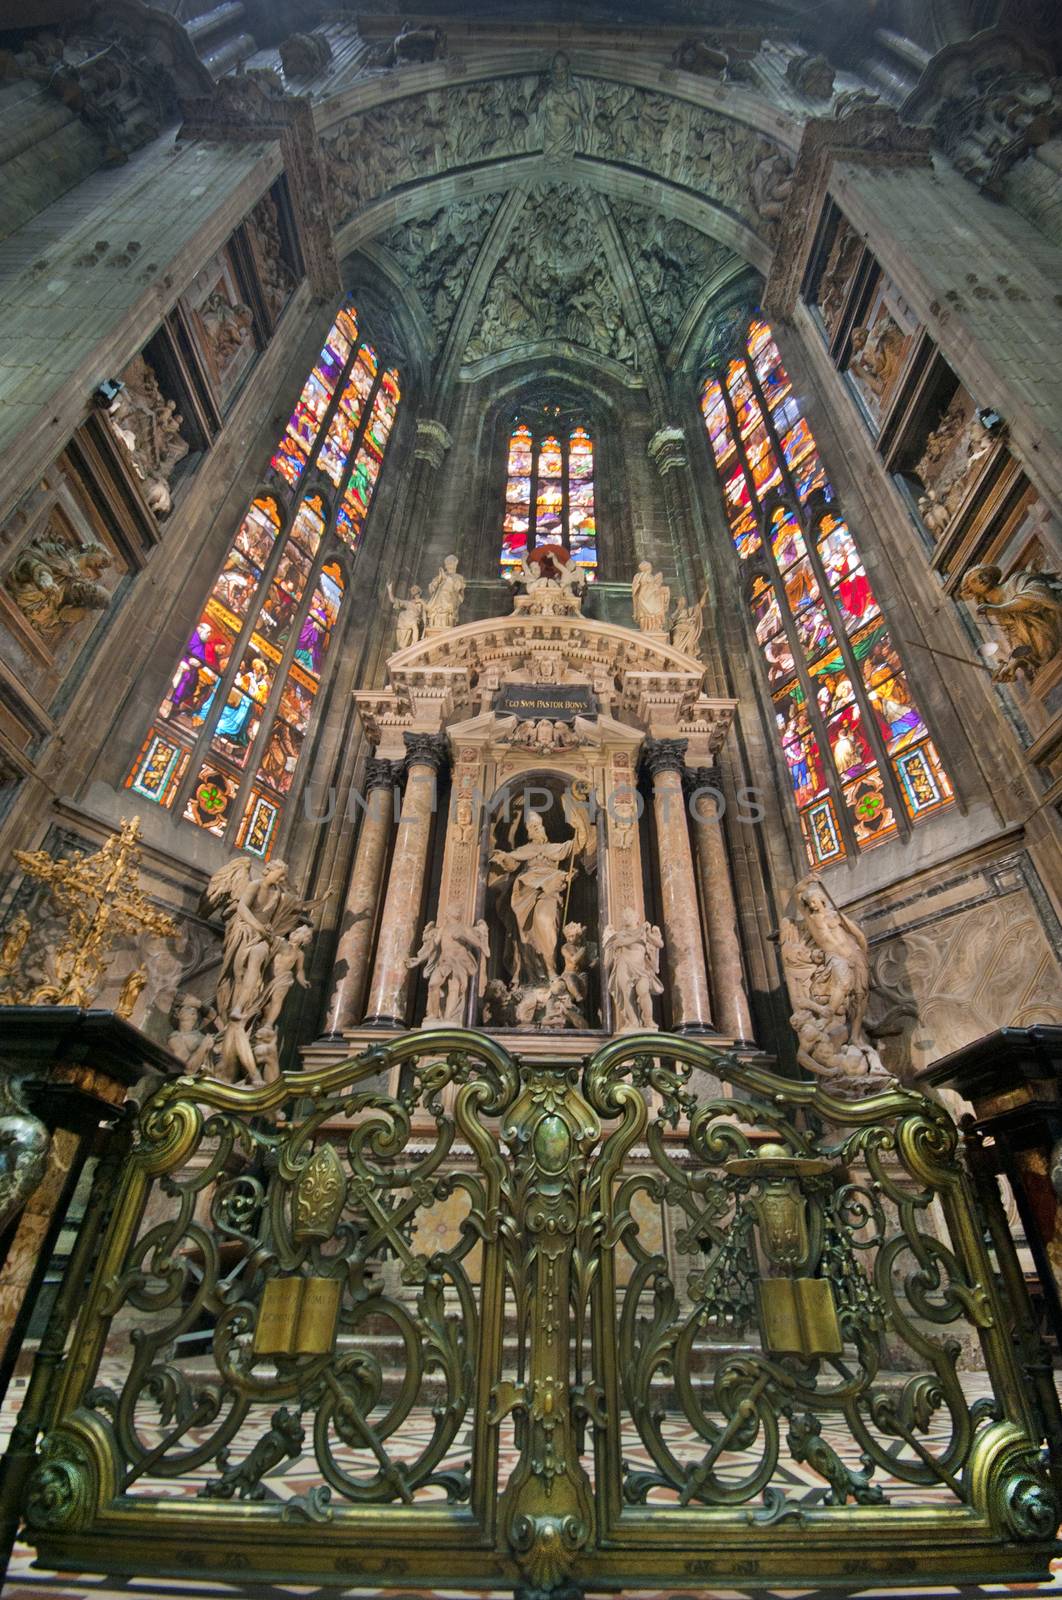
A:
697	55
54	583
650	598
837	274
226	327
303	55
952	458
632	969
934	513
273	270
497	1005
450	953
771	184
574	957
687	623
558	1010
261	959
878	355
827	970
1028	608
188	1042
149	429
811	76
446	593
414	45
531	882
549	584
562	110
409	621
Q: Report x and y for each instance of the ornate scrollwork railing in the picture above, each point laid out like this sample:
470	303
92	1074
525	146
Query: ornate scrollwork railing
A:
413	1316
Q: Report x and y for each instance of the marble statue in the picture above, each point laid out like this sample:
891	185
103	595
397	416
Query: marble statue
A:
558	1011
55	583
261	958
826	962
532	884
650	599
632	970
409	620
450	953
574	957
1028	608
687	624
934	513
497	1005
188	1042
446	592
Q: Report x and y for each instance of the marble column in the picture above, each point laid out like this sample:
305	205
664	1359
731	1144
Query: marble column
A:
683	939
730	1001
350	970
404	895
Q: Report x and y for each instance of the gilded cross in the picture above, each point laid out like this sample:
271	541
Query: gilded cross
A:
101	899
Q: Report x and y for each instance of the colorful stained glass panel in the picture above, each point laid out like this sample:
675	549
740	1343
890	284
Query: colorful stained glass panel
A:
159	768
258	826
822	836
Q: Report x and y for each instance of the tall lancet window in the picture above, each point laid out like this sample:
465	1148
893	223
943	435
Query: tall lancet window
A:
549	491
224	747
860	759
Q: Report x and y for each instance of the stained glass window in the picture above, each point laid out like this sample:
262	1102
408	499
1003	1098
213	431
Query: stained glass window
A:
224	747
549	491
856	747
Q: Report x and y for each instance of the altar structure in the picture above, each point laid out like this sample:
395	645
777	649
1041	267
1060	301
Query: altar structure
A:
555	773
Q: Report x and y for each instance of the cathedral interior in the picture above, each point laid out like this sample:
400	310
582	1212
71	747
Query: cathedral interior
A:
530	796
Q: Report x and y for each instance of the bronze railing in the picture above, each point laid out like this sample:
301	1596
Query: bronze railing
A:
435	1315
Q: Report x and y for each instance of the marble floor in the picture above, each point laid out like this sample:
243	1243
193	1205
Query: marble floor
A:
27	1582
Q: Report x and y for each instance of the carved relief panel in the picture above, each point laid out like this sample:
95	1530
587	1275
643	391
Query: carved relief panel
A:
879	347
60	567
222	325
149	431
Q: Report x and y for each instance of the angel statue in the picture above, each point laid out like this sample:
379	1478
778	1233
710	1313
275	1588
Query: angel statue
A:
450	953
1028	608
257	958
827	970
532	886
632	969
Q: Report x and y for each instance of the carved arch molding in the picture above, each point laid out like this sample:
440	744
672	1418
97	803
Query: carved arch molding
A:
717	171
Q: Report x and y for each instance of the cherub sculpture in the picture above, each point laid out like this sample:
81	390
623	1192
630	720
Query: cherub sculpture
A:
827	970
1028	608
